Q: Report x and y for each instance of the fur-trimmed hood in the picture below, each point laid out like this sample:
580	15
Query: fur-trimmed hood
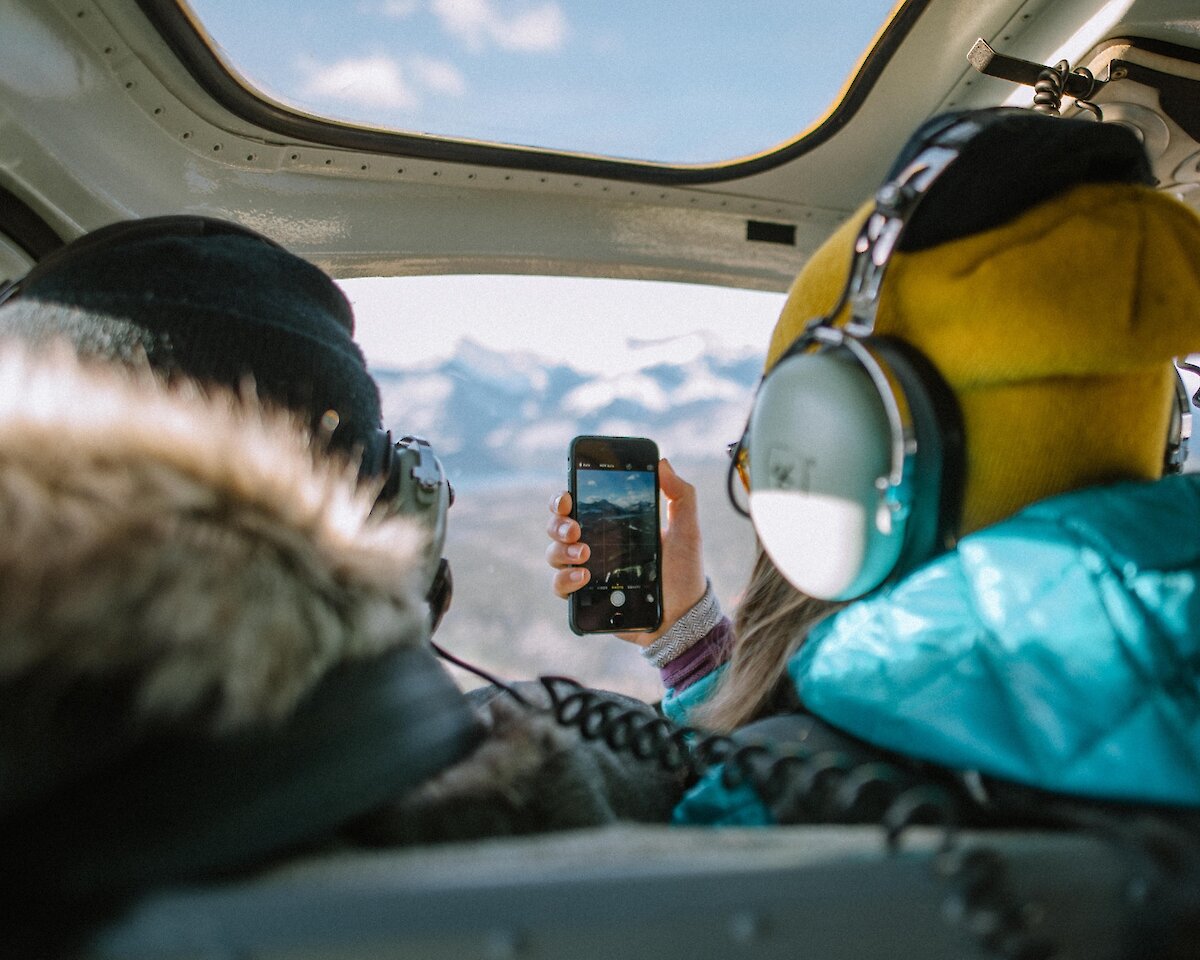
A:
188	544
212	654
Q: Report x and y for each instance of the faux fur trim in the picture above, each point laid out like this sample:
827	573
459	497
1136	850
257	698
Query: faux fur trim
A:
187	543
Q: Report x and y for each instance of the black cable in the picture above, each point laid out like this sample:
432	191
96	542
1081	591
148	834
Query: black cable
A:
481	673
826	786
829	786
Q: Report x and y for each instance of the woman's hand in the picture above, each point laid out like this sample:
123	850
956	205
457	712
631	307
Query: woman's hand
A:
683	580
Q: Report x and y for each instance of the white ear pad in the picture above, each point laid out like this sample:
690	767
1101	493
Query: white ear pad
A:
820	455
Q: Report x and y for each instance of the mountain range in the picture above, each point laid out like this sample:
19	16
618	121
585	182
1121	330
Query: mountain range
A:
510	416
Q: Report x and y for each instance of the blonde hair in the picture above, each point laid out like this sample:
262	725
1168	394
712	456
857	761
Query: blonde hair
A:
771	623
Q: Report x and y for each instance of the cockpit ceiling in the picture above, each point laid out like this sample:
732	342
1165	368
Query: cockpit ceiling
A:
106	111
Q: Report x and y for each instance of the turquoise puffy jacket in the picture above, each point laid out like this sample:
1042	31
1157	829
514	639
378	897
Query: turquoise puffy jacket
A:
1059	648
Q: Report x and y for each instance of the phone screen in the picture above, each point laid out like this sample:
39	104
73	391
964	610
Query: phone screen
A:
614	488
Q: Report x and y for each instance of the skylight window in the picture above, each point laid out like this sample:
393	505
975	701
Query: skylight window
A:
670	82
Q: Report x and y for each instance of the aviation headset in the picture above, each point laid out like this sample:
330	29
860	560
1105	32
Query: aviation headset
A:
414	482
854	453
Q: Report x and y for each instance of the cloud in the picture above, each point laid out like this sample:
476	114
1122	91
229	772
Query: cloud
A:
438	76
380	81
543	28
370	81
479	23
466	19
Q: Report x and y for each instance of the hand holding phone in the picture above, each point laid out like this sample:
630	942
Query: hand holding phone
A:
613	482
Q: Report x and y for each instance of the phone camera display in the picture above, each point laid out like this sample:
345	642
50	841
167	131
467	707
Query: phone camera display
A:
618	512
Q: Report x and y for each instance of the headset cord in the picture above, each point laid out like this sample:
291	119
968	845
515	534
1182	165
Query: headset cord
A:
1161	851
639	730
482	674
828	787
1051	86
822	787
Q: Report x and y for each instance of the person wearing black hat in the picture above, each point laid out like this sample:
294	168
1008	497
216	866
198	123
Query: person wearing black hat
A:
212	639
213	620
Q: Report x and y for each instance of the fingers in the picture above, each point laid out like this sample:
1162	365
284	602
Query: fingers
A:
681	500
566	582
563	529
560	555
683	554
561	505
671	483
560	527
565	552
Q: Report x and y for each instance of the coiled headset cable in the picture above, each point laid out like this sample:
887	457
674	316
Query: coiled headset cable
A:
797	788
829	786
1051	85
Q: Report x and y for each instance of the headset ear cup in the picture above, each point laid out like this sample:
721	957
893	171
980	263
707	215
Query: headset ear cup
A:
821	446
415	484
845	498
381	461
939	463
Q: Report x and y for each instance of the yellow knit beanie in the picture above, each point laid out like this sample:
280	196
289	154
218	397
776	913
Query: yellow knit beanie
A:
1055	330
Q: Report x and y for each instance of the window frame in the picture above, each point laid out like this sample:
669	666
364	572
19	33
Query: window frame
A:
188	41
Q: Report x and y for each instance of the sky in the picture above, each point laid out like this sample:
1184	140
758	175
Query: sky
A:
667	80
597	326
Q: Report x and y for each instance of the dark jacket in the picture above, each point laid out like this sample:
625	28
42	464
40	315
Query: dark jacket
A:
212	654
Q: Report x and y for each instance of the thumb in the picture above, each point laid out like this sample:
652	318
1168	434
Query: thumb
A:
681	496
673	486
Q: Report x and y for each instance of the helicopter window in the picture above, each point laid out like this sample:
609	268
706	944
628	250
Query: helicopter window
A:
501	395
669	83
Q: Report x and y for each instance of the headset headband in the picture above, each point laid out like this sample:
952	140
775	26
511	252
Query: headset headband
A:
895	203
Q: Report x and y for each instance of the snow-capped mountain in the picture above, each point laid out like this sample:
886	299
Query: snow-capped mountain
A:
493	415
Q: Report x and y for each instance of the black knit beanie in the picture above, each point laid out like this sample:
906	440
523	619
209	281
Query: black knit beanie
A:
210	300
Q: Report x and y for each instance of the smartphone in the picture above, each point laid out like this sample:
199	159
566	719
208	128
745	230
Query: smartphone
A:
613	482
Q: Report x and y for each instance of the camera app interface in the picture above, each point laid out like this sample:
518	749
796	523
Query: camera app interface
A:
618	512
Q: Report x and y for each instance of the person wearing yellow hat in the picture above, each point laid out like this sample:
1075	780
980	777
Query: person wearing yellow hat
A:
1042	630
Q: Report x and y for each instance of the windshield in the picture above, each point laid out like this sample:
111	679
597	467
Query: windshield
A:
499	373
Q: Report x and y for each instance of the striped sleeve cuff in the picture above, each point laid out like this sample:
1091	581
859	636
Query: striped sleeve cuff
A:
701	659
